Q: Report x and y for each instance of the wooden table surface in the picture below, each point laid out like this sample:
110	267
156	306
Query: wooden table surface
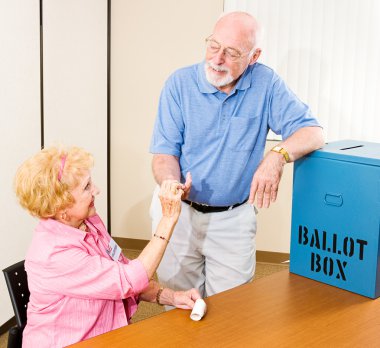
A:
281	310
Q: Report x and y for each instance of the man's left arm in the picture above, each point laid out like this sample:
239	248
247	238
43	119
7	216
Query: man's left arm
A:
266	180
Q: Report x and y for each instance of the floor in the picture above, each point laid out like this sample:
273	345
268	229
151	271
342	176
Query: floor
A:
147	310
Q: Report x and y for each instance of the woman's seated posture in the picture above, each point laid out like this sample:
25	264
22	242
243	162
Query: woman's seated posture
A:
80	283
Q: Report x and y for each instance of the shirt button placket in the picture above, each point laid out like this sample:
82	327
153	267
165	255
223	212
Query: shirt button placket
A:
224	113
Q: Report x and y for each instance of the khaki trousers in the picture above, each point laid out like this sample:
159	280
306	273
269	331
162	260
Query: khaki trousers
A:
212	252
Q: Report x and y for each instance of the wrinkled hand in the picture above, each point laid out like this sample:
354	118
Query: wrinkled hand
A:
185	299
265	182
170	196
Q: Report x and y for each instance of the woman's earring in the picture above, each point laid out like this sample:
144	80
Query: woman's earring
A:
63	216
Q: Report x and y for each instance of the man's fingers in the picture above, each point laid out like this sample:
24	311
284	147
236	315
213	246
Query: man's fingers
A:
252	193
188	181
267	195
273	195
260	195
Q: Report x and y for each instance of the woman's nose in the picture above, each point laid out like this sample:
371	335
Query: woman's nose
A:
95	190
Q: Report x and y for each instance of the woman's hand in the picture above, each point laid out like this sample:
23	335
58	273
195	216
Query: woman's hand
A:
185	299
170	197
169	297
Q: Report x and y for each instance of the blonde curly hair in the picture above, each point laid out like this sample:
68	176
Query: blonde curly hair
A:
38	186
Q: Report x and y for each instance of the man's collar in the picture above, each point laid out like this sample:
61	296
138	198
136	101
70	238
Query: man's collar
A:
245	79
204	86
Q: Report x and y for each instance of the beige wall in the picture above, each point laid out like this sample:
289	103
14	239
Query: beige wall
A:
150	39
273	231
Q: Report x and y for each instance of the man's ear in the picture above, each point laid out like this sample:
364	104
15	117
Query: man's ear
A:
255	56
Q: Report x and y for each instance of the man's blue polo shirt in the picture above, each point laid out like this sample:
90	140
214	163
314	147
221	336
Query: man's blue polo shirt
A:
220	138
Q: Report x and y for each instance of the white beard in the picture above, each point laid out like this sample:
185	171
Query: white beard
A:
217	81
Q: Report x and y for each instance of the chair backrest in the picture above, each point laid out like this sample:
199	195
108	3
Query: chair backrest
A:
17	283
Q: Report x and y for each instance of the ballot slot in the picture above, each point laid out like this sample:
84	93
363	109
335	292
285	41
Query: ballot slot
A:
351	147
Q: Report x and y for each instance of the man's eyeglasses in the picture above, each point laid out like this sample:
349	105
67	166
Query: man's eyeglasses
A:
232	54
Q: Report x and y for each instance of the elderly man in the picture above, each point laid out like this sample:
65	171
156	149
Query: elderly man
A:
212	122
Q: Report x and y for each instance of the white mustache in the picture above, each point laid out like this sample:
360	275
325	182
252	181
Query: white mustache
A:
218	67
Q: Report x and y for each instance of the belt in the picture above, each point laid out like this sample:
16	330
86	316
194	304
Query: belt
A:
204	208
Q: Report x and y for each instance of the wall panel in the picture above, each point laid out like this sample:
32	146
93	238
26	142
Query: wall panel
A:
75	81
19	126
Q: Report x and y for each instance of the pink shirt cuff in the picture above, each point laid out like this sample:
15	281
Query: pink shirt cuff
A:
139	278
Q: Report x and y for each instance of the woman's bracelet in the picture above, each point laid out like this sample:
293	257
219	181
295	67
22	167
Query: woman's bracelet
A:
158	295
161	237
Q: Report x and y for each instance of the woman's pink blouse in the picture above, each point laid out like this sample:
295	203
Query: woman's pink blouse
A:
76	290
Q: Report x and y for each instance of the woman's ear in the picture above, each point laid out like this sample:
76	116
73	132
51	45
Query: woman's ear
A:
61	216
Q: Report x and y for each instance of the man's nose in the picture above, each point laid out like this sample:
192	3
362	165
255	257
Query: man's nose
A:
219	57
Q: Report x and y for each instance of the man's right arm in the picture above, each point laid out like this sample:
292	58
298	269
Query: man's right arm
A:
165	167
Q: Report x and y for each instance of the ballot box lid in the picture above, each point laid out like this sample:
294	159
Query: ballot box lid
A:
351	151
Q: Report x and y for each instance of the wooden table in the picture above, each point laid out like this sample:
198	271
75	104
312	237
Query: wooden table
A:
281	310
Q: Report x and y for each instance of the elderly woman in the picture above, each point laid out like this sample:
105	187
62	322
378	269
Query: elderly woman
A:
80	283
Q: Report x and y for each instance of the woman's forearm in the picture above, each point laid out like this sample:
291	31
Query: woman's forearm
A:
152	254
170	197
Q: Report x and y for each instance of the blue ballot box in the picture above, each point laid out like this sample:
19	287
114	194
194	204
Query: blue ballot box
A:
336	217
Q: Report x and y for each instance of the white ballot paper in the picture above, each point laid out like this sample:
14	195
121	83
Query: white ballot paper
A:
199	310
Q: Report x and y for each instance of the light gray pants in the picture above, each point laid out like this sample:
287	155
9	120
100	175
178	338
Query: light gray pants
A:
211	252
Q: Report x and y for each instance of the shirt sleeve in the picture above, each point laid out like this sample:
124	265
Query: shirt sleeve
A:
73	272
287	113
168	130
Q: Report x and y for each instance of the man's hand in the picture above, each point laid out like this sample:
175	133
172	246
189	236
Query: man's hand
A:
187	186
266	180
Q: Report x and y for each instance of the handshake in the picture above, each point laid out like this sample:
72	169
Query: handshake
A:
174	187
171	193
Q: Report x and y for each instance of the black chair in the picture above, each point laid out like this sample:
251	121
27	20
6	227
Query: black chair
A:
17	283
